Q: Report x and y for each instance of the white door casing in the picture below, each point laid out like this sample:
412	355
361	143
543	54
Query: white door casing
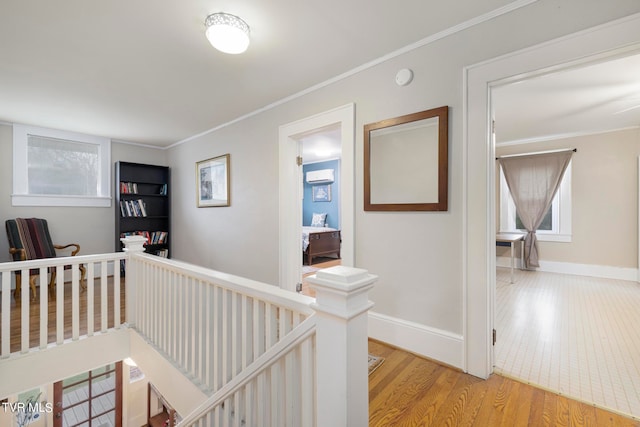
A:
290	190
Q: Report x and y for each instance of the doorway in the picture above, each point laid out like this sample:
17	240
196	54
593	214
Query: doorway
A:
560	326
321	181
614	39
291	191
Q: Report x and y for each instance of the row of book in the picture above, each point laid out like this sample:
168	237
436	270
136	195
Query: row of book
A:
132	188
164	253
133	208
128	188
153	237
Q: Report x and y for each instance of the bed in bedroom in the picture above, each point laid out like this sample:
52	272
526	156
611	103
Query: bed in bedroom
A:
320	241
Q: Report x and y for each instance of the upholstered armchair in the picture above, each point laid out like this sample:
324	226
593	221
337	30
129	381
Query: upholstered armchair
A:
29	239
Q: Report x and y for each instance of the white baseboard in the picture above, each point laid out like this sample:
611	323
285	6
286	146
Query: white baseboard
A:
590	270
433	343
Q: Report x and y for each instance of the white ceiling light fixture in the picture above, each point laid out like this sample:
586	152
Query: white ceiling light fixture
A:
227	33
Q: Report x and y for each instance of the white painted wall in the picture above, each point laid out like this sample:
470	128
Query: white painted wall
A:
604	199
418	256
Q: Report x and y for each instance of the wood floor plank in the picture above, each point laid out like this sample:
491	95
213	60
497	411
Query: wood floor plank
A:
536	407
581	414
549	409
408	384
460	401
426	409
469	401
488	411
523	400
562	411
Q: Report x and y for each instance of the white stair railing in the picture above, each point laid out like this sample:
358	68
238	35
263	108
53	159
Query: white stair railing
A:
210	324
276	389
16	311
265	356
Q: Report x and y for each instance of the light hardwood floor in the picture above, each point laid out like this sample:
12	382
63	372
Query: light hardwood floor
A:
407	390
579	336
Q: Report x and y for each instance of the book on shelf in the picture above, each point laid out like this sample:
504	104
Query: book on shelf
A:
164	253
129	188
163	190
134	208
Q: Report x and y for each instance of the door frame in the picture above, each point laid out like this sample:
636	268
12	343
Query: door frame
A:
58	394
613	39
290	190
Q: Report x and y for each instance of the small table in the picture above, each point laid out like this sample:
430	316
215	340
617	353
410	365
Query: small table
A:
508	239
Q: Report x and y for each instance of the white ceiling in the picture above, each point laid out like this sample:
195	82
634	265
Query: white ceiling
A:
142	71
321	146
594	98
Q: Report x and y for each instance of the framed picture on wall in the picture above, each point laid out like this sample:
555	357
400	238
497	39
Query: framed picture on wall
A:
321	193
212	182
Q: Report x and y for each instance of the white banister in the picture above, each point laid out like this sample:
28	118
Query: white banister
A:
132	245
341	306
261	364
29	332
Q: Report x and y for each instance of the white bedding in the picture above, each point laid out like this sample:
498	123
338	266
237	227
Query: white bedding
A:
305	234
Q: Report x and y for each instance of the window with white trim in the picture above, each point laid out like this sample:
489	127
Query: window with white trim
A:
556	225
60	168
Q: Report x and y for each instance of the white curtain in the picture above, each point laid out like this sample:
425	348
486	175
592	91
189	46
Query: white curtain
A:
533	181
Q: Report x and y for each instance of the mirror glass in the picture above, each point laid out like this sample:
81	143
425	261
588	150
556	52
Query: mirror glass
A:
406	162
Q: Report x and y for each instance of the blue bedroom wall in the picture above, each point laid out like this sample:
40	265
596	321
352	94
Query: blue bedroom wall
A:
332	208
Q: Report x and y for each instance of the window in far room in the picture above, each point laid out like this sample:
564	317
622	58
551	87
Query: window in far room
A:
555	226
59	168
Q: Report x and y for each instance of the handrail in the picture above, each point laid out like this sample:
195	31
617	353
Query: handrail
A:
263	291
60	261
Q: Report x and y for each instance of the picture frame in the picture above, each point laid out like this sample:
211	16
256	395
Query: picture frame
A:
212	182
321	193
406	162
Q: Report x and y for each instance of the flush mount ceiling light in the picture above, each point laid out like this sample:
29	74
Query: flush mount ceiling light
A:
227	33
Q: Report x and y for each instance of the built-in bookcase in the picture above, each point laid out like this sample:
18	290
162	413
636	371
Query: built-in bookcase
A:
143	205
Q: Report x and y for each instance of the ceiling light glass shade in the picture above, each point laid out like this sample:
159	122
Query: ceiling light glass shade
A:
227	33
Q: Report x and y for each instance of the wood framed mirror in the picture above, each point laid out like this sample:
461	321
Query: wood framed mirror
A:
406	162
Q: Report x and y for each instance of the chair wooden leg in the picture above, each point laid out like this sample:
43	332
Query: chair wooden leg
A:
83	276
52	282
32	284
16	292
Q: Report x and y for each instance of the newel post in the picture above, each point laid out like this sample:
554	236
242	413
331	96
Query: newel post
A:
342	303
132	246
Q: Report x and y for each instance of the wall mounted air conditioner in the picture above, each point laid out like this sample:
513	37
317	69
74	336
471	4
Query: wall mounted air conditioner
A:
320	176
